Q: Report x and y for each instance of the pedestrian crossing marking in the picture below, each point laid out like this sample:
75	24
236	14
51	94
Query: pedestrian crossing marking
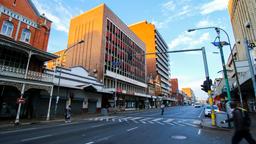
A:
168	120
148	120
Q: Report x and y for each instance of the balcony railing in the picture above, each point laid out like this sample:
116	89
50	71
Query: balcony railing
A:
20	73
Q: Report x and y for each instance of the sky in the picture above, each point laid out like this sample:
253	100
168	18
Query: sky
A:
172	19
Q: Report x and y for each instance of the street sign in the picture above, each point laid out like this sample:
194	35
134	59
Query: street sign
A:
21	100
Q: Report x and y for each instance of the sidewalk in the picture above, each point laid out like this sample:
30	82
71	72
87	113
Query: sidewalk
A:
207	123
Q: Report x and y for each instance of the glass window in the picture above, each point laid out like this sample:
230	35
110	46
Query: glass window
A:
7	28
25	36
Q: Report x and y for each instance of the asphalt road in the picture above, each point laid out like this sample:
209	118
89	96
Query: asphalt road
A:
178	125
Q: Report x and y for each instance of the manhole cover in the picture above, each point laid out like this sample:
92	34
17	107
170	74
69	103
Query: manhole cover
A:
179	137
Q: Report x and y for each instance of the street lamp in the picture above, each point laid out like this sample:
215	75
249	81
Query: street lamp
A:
217	29
61	60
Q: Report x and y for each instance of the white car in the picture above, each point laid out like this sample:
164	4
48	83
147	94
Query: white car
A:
197	105
207	110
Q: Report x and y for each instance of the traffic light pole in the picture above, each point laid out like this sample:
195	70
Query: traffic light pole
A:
209	91
208	81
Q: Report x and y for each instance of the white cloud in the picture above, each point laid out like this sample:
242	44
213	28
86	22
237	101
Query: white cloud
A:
188	40
57	12
213	6
169	6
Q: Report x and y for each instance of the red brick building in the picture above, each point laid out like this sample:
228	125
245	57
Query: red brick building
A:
24	35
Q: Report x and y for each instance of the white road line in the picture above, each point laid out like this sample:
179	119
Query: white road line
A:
191	125
158	119
151	122
170	124
35	138
142	121
136	118
168	120
113	120
199	132
201	113
132	129
90	142
20	130
97	126
119	120
159	123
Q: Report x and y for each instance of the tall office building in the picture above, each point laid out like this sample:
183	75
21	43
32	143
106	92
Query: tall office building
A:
111	52
157	64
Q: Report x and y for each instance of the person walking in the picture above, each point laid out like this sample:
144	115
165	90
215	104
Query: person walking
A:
68	114
242	123
162	109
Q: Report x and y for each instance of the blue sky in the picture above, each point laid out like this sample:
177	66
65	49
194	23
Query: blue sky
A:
172	19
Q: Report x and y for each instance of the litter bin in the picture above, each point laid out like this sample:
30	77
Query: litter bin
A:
221	116
104	111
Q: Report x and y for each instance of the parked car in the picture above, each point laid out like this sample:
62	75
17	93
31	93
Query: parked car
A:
207	109
197	105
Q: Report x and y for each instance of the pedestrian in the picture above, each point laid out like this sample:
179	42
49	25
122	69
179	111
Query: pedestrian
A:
162	109
242	122
68	114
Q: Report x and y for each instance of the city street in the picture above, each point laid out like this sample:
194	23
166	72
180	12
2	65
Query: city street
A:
177	125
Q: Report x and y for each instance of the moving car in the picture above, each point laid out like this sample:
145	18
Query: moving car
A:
197	105
207	110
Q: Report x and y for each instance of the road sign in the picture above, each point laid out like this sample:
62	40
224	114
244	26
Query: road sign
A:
21	100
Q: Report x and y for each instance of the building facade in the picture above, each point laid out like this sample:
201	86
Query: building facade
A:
156	58
243	19
112	53
190	96
24	35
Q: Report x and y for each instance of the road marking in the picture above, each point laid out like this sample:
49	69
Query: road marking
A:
199	132
159	123
158	119
113	120
142	121
168	120
97	126
170	124
90	142
136	118
120	120
201	113
35	138
132	129
20	130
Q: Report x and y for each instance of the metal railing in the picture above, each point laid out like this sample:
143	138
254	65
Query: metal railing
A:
20	73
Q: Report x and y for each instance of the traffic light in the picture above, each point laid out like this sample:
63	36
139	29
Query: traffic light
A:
206	85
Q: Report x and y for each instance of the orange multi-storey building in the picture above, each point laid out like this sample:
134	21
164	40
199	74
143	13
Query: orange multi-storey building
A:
111	52
157	59
24	35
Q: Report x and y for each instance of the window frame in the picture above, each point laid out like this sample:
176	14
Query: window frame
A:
8	25
23	38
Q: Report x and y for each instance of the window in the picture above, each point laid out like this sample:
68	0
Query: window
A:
7	28
25	36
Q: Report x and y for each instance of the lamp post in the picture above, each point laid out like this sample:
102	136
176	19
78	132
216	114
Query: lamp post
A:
62	55
217	29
